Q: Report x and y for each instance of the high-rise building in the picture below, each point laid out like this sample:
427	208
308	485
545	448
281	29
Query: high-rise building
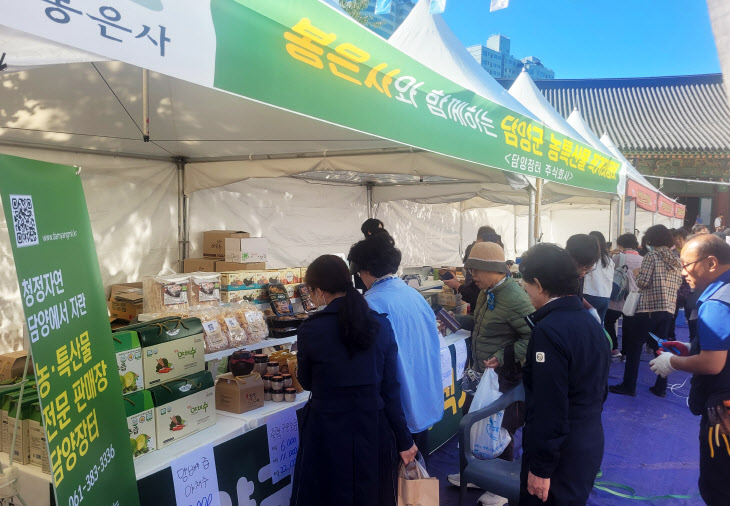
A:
399	11
496	59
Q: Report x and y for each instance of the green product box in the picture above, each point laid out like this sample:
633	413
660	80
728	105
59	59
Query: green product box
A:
171	349
129	361
141	422
38	444
183	407
21	412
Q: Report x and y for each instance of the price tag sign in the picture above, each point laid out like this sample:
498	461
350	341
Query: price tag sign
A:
460	347
283	434
446	368
195	478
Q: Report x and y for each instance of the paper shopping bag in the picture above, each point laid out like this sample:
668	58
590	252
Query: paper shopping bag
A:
416	488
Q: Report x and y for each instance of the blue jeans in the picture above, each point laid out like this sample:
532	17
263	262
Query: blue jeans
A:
600	304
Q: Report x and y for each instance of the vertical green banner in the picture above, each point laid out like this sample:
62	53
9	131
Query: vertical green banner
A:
65	311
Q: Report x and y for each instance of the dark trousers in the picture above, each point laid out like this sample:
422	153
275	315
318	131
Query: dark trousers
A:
635	333
609	324
600	304
420	439
714	465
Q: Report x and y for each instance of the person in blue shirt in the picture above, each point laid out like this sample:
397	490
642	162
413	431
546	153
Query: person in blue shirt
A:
353	426
706	265
376	260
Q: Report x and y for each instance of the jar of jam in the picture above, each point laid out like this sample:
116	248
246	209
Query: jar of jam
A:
272	368
267	380
267	394
287	380
290	394
277	396
261	364
277	384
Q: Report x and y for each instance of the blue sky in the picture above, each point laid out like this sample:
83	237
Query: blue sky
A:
597	38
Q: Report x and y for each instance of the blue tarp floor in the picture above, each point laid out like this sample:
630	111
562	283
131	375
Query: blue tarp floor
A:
651	444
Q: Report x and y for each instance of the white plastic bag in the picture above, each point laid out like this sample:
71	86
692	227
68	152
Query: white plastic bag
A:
632	302
488	437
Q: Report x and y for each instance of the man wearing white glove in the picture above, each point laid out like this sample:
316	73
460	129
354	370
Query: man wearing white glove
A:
706	265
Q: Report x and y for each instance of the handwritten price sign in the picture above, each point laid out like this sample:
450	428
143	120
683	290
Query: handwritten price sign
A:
195	478
283	433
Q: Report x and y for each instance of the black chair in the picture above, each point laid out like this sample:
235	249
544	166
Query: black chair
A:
495	475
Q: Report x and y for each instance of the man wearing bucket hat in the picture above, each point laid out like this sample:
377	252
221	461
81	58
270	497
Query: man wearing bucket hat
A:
501	333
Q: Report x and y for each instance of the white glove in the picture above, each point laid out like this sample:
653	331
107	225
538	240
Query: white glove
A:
662	365
595	314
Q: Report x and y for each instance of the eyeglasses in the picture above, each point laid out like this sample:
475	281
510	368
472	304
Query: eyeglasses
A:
684	266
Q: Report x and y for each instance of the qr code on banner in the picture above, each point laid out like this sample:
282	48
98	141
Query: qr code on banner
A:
26	232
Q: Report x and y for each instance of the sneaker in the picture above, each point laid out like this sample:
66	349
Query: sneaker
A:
490	499
455	480
616	355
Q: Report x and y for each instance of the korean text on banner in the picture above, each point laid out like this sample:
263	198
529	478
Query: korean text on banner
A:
70	339
305	45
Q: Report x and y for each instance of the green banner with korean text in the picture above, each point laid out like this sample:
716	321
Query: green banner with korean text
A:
310	59
70	338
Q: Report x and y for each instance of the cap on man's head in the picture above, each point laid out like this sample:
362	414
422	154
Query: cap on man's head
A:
487	256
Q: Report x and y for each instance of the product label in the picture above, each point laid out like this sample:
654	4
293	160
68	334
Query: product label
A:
168	361
214	334
131	372
184	417
233	325
209	292
142	433
175	294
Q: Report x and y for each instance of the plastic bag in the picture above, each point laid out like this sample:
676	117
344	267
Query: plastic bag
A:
489	439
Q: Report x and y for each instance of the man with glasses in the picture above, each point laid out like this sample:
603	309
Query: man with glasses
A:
706	265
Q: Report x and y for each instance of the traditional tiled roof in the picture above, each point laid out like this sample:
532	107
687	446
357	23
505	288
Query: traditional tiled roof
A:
652	115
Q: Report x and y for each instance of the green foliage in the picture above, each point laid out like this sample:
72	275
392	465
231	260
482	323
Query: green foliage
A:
355	7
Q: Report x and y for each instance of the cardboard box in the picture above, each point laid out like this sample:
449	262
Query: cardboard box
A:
141	423
38	445
13	364
214	241
449	298
10	402
21	412
125	301
173	353
248	280
5	395
256	296
183	407
223	266
129	361
200	265
246	250
239	394
290	276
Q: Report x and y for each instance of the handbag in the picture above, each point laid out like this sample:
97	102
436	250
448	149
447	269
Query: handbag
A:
632	302
415	487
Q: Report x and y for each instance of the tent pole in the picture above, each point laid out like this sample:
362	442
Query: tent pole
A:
538	206
369	188
514	235
461	229
182	215
146	105
621	216
531	217
610	220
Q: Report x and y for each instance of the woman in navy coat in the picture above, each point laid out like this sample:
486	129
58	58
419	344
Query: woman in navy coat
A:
353	427
566	383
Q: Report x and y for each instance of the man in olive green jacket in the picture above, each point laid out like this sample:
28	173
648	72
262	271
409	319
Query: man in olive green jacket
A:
500	332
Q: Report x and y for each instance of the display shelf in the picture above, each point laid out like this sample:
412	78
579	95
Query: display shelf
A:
258	417
266	343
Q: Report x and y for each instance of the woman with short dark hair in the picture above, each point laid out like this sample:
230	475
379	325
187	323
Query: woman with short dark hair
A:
376	260
658	280
565	378
598	283
371	226
353	426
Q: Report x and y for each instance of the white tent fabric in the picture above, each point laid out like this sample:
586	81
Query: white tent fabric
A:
428	39
133	210
525	91
720	18
24	51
